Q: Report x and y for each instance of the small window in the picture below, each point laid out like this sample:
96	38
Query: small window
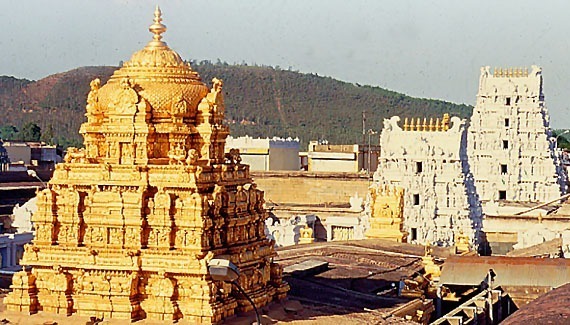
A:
419	167
502	195
505	144
504	169
508	101
416	199
507	122
413	233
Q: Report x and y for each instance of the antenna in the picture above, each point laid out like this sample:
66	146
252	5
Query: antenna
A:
363	127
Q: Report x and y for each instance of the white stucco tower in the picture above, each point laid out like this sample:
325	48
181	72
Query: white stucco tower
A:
511	153
429	161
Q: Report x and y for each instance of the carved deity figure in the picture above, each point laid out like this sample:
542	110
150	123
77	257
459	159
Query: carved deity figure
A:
177	154
126	102
218	198
217	85
233	157
179	107
75	155
93	97
192	157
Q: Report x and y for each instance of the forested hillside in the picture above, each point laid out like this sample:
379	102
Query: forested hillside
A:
260	102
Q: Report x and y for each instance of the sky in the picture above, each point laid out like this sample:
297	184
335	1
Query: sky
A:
422	48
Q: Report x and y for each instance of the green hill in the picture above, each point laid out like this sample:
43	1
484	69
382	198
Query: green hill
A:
260	102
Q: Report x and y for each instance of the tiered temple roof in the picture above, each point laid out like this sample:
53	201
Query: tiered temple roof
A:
128	224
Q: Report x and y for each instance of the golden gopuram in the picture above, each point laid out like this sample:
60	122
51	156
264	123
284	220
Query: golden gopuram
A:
127	225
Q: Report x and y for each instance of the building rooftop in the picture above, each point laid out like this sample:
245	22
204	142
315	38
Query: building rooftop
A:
550	308
354	288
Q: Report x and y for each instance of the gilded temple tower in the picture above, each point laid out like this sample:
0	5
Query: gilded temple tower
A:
127	225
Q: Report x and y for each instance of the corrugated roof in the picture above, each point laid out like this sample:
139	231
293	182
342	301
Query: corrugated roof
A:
510	271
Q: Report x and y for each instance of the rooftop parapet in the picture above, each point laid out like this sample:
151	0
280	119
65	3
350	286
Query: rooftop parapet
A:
437	126
508	82
510	72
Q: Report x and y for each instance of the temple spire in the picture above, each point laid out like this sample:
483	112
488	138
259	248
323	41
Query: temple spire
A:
157	29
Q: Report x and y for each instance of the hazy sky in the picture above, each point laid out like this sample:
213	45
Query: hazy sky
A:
422	48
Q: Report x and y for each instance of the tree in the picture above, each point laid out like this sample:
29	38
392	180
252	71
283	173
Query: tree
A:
8	132
48	136
30	132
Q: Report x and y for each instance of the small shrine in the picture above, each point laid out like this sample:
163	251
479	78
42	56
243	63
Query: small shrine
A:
306	235
127	225
386	213
432	270
462	243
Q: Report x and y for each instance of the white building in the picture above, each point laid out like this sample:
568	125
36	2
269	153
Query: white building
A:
511	152
348	158
429	161
266	154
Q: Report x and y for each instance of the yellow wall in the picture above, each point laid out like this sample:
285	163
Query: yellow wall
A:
310	188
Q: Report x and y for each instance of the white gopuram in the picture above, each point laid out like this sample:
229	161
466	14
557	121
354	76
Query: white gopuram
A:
511	151
429	161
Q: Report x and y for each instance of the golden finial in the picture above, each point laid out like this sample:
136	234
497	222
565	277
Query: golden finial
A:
418	124
157	29
406	125
425	125
445	122
431	125
438	125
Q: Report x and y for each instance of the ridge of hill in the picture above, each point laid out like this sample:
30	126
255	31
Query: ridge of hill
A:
261	101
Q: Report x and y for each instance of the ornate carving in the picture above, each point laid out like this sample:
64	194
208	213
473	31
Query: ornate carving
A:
386	213
93	97
75	155
233	157
177	154
126	102
149	193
